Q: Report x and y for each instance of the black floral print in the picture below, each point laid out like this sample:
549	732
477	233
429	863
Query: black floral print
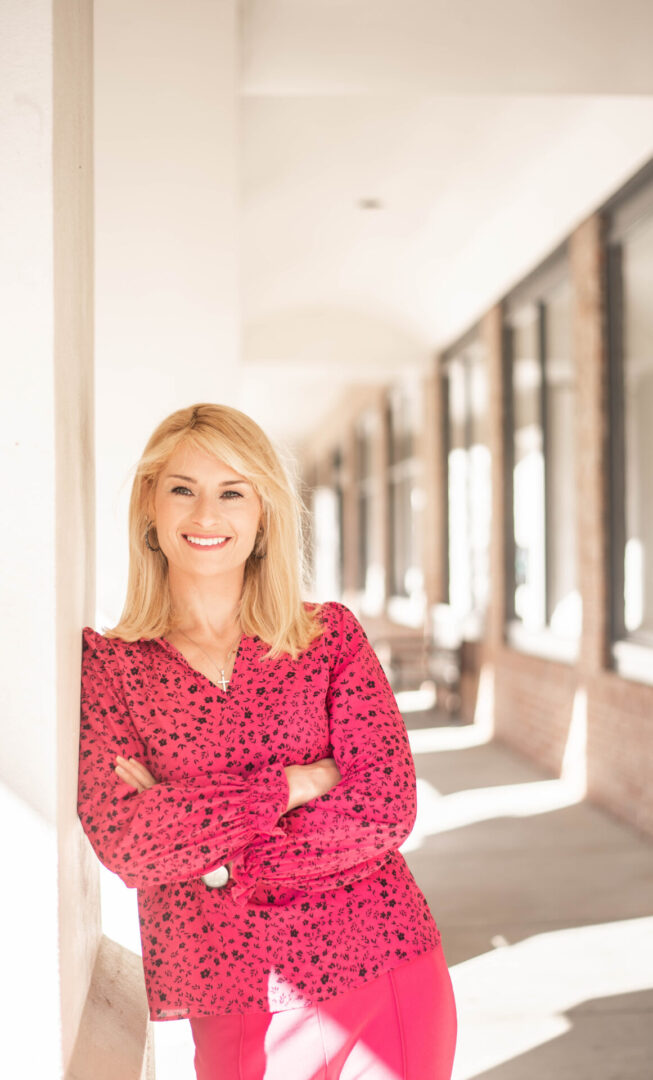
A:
320	900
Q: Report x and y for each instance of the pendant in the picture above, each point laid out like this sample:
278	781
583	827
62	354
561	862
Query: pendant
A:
224	682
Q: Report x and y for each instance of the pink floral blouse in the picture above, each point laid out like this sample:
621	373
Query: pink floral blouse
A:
320	899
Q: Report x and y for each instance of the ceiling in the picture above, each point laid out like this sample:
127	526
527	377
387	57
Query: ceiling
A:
403	165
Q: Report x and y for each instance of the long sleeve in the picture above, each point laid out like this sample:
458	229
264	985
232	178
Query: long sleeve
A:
347	833
173	831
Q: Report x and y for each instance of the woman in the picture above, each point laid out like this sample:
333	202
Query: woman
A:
243	764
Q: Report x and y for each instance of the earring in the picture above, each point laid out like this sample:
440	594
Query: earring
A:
147	537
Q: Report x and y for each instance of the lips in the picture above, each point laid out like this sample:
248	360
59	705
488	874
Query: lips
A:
205	543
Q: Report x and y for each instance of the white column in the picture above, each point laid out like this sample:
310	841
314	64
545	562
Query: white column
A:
49	904
167	319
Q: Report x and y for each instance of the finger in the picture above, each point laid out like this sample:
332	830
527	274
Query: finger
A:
138	783
133	765
126	776
135	768
130	777
143	774
128	770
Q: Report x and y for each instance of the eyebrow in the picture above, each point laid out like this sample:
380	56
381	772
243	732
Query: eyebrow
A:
191	480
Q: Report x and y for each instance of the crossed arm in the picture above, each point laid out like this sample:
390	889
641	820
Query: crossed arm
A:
286	832
305	782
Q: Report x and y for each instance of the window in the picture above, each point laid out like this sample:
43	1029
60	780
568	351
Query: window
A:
328	547
544	600
369	577
469	499
406	500
630	284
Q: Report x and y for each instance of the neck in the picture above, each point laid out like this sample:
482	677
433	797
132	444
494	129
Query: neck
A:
208	607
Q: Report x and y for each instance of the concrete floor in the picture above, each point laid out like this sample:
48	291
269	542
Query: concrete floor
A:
545	905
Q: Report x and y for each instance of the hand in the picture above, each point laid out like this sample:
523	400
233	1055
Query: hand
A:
137	776
134	774
306	782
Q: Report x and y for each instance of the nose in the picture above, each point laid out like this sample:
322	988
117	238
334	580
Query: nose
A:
207	512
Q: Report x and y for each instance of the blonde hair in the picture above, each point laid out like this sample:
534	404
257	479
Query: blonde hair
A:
271	605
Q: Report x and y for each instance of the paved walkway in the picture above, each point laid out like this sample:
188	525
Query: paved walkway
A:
545	905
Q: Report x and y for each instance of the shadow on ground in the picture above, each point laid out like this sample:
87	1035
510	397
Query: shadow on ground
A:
610	1038
544	905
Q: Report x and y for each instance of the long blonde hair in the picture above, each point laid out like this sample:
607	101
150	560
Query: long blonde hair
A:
271	605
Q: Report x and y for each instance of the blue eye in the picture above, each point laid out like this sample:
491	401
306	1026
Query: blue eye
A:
230	492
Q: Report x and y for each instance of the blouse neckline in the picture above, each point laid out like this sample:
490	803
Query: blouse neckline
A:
200	674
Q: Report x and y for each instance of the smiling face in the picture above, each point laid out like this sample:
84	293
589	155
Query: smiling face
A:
206	515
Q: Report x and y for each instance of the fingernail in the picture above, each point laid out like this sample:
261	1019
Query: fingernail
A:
119	758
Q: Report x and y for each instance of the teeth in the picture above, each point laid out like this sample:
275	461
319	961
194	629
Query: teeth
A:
205	541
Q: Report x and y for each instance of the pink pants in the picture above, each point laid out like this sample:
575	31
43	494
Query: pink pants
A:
401	1026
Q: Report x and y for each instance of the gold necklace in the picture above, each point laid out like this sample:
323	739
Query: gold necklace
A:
223	680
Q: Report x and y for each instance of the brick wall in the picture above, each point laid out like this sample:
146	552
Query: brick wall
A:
534	697
533	706
620	748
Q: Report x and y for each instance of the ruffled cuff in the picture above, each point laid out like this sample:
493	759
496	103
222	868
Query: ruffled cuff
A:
243	881
267	800
269	792
268	795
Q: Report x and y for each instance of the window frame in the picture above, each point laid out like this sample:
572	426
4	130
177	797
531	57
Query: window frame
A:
533	289
402	467
631	652
366	489
474	622
327	474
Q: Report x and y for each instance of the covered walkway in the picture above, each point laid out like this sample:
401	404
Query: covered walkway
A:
544	903
414	242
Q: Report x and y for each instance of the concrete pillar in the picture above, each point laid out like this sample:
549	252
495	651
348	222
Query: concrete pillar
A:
49	902
167	259
592	451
